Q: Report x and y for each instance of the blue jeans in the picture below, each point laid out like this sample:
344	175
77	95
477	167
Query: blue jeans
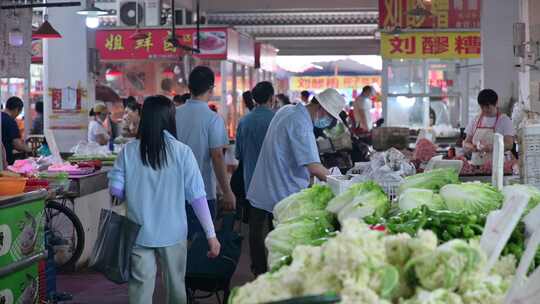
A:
194	226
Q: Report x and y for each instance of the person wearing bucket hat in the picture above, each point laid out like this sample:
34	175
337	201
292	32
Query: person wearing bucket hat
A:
289	154
97	132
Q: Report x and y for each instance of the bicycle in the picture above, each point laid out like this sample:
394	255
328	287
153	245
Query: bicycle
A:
66	231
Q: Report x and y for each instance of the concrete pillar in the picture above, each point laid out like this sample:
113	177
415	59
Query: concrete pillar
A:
499	71
66	65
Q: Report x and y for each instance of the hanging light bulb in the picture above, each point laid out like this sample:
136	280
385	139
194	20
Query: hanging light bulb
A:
92	22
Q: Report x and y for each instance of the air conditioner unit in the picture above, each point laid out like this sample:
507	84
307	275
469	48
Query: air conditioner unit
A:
141	12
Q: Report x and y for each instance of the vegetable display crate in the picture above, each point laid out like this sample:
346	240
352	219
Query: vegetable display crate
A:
529	155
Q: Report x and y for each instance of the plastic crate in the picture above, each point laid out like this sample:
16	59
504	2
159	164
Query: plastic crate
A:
338	183
391	188
529	155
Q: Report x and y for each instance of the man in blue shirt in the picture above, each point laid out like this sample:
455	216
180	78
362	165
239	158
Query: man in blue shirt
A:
249	140
11	136
289	154
204	132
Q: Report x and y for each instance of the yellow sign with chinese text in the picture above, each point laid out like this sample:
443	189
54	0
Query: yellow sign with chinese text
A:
299	83
440	45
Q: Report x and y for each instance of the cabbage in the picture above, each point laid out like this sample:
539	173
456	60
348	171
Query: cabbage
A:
476	198
431	180
359	201
412	198
305	202
529	189
303	230
438	296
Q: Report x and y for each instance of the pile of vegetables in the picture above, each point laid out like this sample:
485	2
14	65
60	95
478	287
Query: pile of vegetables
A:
106	160
431	180
309	229
359	201
366	266
299	219
304	202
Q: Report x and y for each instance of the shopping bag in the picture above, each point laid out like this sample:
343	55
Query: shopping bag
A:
111	254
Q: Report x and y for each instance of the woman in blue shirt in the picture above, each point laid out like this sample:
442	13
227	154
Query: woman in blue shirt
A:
156	174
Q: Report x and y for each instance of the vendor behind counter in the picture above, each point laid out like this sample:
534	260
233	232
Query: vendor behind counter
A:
480	131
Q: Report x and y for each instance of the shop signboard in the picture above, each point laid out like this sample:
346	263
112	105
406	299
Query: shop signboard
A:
442	14
117	44
240	48
299	83
425	45
265	57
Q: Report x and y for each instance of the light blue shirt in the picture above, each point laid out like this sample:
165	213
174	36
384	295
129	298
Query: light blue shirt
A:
289	146
249	139
156	198
202	129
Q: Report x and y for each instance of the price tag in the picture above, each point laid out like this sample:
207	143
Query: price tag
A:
526	290
500	224
497	172
532	221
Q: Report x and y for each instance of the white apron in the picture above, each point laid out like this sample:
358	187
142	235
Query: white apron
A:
483	136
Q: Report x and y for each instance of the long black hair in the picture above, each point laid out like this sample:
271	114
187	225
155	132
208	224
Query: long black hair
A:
158	115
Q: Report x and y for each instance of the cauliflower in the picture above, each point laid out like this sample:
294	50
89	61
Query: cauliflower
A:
437	296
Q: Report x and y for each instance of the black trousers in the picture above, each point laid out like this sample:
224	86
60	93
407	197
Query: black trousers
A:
260	224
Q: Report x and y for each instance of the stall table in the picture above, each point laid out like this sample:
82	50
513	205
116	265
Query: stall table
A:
91	195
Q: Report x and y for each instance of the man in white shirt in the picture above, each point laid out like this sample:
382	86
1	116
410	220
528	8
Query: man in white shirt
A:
362	108
97	133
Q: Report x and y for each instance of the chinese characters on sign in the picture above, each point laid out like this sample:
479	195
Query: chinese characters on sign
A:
443	14
336	82
119	44
444	45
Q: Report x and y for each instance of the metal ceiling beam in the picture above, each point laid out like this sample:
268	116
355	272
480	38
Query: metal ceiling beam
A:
36	5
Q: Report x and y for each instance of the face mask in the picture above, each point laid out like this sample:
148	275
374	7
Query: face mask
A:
323	123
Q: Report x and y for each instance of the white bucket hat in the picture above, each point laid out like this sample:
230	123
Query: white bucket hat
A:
331	101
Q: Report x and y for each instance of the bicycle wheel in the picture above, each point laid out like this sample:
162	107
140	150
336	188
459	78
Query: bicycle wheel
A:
67	234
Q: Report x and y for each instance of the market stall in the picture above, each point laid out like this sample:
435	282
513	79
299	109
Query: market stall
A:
431	64
425	238
80	184
148	63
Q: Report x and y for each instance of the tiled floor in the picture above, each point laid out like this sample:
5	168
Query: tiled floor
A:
91	288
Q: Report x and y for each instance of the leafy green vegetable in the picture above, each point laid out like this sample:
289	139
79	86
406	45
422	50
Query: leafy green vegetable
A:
476	198
529	189
359	201
302	230
302	203
412	198
431	180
